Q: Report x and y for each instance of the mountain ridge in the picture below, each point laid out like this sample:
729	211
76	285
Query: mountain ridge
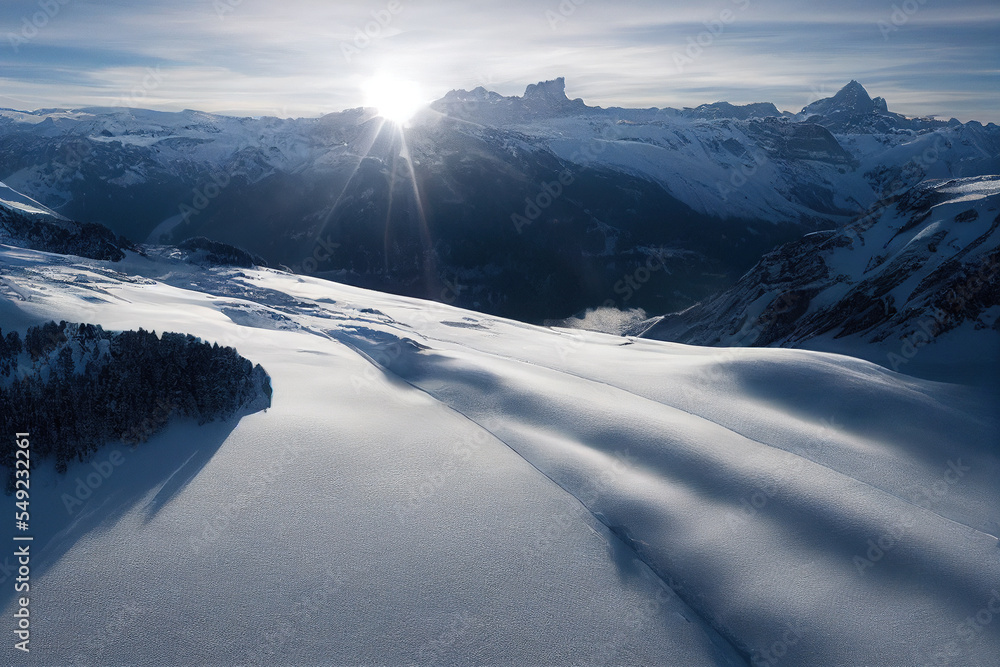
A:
443	216
901	286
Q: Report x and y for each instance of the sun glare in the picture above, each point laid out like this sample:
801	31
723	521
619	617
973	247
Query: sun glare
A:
397	100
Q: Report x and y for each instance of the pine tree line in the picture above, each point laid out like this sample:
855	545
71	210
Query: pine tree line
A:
76	387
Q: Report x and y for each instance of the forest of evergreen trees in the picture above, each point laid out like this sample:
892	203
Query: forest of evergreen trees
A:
66	237
76	387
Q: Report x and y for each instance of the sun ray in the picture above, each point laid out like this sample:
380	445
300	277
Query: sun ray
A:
361	158
430	266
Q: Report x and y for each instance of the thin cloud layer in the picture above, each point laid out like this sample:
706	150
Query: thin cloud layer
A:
300	57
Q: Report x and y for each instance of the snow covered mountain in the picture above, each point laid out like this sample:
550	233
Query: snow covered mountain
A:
436	486
914	282
533	207
26	223
11	200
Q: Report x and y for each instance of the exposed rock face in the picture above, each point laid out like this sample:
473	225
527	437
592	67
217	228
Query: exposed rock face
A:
926	263
540	100
718	110
66	237
798	141
852	100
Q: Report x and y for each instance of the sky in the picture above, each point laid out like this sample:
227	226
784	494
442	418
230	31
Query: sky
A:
306	58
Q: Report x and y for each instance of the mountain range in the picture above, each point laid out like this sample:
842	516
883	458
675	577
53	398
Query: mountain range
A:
793	461
533	207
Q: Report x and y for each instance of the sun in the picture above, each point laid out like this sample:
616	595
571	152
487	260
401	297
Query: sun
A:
397	100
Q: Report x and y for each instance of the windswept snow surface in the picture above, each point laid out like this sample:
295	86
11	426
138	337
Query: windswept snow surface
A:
15	201
434	486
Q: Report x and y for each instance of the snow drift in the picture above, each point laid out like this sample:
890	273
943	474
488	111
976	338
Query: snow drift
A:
434	486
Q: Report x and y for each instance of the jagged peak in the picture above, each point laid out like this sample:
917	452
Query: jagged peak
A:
852	99
854	94
556	88
854	85
546	98
739	111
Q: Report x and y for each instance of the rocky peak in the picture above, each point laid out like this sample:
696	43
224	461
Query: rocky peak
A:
852	100
540	100
855	98
550	96
726	110
554	90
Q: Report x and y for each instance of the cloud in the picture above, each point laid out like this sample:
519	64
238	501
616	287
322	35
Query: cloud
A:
311	57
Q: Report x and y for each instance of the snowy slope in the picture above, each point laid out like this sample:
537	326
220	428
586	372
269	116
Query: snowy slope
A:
434	486
26	223
12	200
913	284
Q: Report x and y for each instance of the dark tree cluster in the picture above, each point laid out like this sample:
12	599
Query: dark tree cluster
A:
10	348
222	254
76	387
65	237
